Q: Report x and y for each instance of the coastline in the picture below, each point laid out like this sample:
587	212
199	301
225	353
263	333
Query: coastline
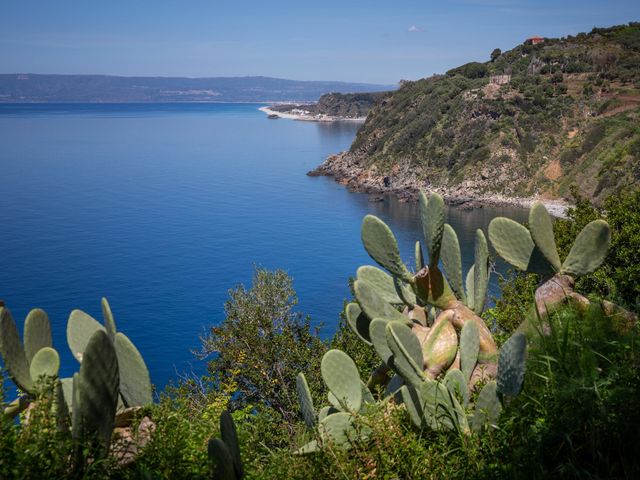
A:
310	118
347	171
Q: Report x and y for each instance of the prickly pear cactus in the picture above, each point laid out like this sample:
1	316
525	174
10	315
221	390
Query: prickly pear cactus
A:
426	328
348	397
511	365
27	363
437	303
95	392
135	382
224	452
306	402
534	250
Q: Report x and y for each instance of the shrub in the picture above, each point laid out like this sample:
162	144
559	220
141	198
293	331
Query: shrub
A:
577	414
262	344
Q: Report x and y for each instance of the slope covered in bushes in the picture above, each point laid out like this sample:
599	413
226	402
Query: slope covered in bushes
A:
534	120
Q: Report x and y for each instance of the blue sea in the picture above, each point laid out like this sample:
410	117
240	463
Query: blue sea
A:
164	208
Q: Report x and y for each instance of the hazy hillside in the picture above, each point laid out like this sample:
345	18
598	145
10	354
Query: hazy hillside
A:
535	120
103	88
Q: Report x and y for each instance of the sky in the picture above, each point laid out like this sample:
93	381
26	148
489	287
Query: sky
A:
360	41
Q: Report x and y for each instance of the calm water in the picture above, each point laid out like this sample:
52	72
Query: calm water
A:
163	208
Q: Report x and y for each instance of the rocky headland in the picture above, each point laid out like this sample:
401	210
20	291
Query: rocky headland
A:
538	122
405	184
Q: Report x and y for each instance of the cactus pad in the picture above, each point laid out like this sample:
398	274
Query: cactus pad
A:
378	334
341	376
470	286
358	322
381	245
407	353
487	409
338	429
135	383
469	348
80	329
109	322
371	303
452	261
456	383
306	402
441	409
514	244
589	249
541	228
511	365
432	215
96	388
13	355
45	363
381	281
480	272
37	333
419	257
404	292
219	454
413	403
230	438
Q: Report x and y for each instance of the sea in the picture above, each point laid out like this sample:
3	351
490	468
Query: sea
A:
165	208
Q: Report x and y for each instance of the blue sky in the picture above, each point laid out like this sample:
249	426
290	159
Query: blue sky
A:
363	41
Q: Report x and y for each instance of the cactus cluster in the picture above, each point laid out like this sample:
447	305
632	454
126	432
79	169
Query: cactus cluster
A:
112	375
437	300
437	353
224	452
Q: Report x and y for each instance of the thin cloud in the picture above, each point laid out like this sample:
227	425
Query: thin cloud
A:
413	29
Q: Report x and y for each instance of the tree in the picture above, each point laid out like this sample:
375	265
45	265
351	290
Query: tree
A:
262	345
495	54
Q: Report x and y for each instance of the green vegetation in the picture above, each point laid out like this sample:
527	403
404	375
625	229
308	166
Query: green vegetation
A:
417	384
534	119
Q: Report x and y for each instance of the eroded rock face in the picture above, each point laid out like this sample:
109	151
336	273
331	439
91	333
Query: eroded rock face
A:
405	182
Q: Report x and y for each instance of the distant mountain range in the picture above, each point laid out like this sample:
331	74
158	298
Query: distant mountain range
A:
32	88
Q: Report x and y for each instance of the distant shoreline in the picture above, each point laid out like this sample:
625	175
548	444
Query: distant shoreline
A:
310	118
